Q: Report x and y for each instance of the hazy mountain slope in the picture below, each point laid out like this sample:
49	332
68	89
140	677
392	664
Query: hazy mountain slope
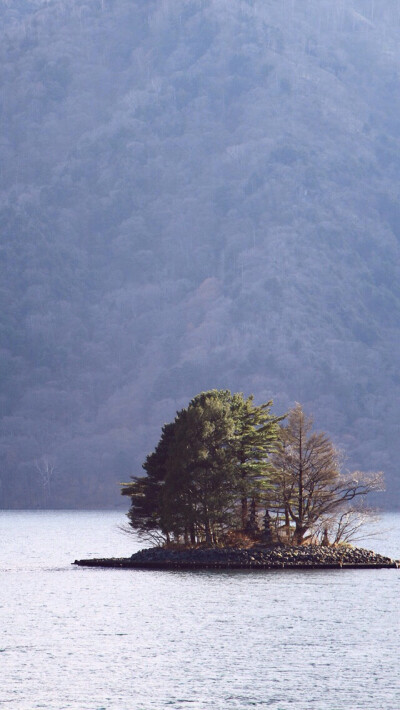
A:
194	194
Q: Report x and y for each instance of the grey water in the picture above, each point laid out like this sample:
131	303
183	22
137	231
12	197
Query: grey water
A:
110	639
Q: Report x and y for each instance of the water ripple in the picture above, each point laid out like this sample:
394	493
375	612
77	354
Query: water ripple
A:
140	640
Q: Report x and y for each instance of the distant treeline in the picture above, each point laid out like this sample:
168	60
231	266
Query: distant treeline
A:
193	195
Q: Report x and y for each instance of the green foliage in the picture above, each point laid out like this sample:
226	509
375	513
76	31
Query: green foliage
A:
145	492
208	463
224	465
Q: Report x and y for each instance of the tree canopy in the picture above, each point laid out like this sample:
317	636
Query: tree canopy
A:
226	466
310	492
209	464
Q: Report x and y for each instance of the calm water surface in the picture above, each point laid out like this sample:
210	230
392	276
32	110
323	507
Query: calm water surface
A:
135	639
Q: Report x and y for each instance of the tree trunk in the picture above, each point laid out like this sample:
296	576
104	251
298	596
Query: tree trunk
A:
208	534
192	535
252	524
298	536
244	513
287	524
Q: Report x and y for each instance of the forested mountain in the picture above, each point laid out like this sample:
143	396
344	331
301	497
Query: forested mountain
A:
194	194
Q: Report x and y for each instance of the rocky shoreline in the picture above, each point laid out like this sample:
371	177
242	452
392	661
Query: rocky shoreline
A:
257	557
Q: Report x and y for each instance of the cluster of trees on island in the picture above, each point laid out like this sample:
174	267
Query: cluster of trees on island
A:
227	470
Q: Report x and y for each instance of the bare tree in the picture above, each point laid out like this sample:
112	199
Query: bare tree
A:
348	524
156	537
45	467
309	489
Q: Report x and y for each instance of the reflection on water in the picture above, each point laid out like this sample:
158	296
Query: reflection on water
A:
139	640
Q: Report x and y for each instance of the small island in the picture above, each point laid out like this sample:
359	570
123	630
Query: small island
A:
257	557
230	486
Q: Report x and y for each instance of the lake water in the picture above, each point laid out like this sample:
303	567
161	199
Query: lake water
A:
96	639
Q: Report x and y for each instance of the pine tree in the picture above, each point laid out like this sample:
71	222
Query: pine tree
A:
145	492
257	433
209	463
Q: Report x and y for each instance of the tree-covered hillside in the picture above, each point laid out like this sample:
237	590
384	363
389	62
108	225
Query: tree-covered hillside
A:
194	194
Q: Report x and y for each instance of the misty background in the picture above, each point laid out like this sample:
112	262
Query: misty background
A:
194	194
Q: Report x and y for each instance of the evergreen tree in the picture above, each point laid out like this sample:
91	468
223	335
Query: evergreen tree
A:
257	433
145	492
207	465
202	484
